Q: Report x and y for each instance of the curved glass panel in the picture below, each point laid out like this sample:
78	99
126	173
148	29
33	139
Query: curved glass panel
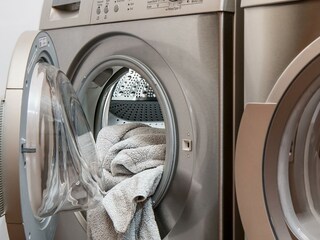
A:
299	175
63	169
291	159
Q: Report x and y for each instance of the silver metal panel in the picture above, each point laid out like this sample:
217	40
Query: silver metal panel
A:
274	36
69	228
102	11
11	158
198	71
293	70
28	51
53	17
64	2
113	11
19	61
11	131
289	151
248	170
255	3
42	49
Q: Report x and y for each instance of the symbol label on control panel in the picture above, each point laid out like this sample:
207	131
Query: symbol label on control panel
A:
43	42
170	4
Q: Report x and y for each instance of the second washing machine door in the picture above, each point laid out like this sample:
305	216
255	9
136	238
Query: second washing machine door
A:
277	156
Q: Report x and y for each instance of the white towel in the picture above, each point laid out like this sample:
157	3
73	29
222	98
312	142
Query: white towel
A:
111	140
133	155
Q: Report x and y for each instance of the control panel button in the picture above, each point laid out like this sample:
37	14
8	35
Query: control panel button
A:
120	10
106	9
98	10
116	8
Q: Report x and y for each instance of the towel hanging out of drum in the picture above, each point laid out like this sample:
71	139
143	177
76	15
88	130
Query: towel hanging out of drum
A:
132	156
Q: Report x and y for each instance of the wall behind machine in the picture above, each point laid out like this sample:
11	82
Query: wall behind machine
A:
15	17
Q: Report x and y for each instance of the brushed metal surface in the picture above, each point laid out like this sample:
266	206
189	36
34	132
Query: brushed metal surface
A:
249	170
193	64
287	128
53	17
154	8
19	60
255	3
68	227
274	36
28	51
196	72
11	128
11	160
98	11
293	70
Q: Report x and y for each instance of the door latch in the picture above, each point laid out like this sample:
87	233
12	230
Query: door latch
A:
27	150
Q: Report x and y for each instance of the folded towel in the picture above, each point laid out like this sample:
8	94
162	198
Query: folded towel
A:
132	155
109	181
137	155
113	139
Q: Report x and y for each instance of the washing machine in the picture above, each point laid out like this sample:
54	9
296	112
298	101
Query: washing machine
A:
277	153
96	63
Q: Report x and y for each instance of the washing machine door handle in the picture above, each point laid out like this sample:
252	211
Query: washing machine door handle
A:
249	170
62	165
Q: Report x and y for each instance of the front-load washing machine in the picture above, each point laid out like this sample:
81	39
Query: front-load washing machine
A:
168	64
277	153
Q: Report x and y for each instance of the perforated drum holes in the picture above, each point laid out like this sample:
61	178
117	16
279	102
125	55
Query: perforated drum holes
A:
132	99
132	86
137	111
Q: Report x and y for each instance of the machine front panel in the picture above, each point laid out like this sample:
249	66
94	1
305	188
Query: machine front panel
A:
63	13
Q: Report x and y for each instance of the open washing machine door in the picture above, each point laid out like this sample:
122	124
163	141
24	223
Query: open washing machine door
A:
51	145
277	156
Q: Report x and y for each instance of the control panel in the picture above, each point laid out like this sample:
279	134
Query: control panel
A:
67	13
121	10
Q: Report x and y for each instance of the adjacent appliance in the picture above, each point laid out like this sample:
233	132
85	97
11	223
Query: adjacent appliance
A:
277	153
165	63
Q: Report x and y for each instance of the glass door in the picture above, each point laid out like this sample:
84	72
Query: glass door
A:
62	167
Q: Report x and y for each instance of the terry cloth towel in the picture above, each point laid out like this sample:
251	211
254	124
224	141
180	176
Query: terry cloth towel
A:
129	149
134	142
126	211
132	155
